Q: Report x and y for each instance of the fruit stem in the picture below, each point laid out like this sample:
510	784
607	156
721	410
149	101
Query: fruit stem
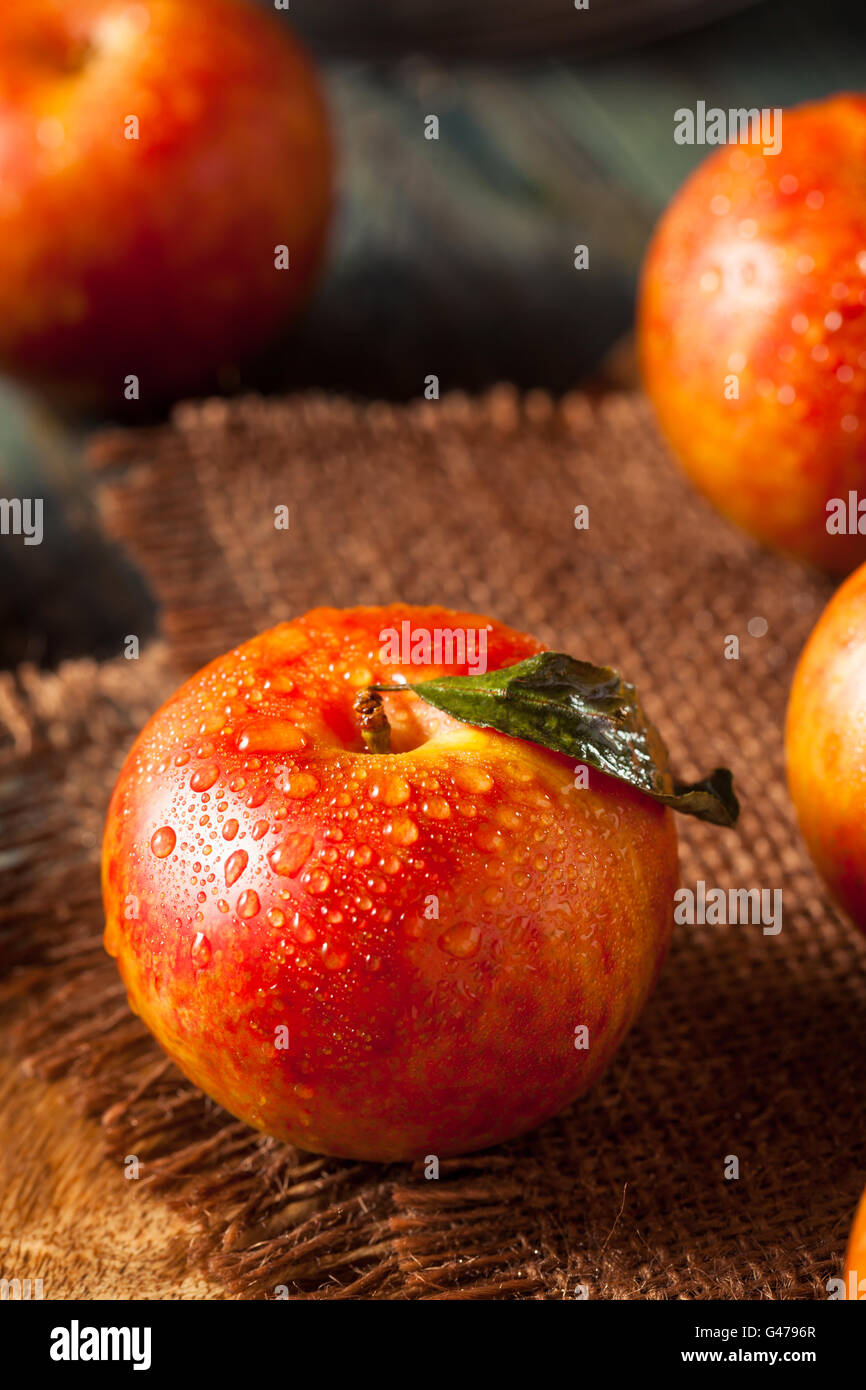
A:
375	729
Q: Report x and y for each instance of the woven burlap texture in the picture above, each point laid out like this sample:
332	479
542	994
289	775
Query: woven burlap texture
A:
752	1044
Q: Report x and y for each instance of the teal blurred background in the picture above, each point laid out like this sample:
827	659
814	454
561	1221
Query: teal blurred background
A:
455	256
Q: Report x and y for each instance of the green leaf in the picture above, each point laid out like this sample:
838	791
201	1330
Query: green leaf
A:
587	712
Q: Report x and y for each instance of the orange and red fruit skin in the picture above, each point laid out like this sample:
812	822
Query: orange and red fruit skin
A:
429	926
758	270
825	745
855	1256
154	256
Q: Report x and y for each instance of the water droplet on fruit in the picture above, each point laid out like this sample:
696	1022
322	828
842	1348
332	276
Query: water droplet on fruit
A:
301	785
302	931
181	760
292	854
461	941
276	917
201	950
259	829
248	903
163	842
393	791
487	838
235	865
334	959
473	779
319	881
270	736
402	830
204	778
230	829
362	854
436	807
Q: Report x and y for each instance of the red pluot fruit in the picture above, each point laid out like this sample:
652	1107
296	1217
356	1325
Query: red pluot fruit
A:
825	745
153	157
752	332
377	954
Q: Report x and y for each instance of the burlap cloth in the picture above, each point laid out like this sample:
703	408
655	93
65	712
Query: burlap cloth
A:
752	1045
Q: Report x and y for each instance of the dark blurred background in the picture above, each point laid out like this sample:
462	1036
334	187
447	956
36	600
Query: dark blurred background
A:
455	256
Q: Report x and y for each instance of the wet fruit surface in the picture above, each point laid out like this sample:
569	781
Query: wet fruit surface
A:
752	330
377	955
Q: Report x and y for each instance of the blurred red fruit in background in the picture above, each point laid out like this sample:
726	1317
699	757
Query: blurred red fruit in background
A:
752	331
153	157
825	744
